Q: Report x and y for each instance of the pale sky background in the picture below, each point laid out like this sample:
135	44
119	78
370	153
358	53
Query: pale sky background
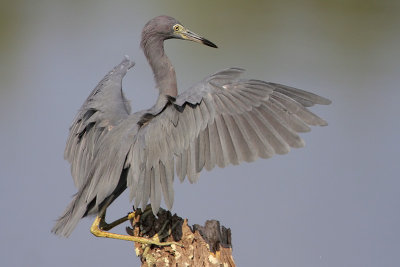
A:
333	203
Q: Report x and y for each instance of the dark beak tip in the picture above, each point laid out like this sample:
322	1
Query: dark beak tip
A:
209	43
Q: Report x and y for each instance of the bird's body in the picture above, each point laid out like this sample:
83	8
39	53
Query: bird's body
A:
219	121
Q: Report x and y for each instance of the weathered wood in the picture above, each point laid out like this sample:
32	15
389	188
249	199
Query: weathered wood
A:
209	245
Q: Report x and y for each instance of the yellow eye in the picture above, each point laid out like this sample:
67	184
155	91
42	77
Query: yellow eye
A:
176	28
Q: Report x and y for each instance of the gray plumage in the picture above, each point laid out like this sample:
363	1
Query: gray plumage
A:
219	121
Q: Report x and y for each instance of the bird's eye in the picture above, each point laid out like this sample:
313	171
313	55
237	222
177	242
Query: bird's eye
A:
176	27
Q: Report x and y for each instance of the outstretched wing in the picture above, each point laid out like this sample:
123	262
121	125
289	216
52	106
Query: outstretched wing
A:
105	106
221	120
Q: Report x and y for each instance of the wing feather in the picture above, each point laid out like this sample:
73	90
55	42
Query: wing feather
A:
94	120
307	99
240	138
202	146
222	120
290	118
288	135
225	140
215	140
265	150
209	157
273	137
146	189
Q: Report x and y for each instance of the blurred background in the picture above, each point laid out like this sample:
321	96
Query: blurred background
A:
333	203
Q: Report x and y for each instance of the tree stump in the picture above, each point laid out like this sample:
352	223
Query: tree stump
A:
208	245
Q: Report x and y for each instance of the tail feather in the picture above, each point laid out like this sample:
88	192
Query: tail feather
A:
70	218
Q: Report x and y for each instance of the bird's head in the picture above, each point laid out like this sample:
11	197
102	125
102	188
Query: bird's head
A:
169	28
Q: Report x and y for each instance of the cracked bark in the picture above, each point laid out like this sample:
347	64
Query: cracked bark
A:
209	245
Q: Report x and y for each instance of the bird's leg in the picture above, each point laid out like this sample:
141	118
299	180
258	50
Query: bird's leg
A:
97	230
108	226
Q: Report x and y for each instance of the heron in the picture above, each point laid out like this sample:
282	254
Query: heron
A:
222	120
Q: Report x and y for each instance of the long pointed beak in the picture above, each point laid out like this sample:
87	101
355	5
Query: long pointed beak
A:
189	35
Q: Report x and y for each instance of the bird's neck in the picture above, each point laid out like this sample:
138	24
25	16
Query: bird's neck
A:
164	72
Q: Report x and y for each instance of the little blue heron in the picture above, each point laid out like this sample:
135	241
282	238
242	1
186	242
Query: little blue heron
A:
219	121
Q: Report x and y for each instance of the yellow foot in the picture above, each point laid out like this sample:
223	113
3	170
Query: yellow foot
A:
98	231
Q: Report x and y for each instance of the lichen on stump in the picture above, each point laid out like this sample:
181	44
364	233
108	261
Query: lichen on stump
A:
208	245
